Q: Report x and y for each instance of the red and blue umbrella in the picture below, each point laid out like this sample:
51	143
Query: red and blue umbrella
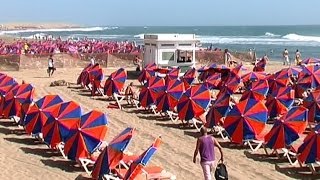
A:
286	130
236	71
282	78
150	91
203	72
169	97
312	102
95	77
96	73
213	81
6	84
246	120
279	101
256	90
193	102
219	68
2	75
19	95
137	165
203	69
173	73
253	76
260	65
218	110
111	156
61	118
162	70
86	136
189	77
36	116
147	72
115	82
310	76
292	71
232	84
151	66
309	150
311	60
83	73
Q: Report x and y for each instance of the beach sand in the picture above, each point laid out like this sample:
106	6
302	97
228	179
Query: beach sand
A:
23	158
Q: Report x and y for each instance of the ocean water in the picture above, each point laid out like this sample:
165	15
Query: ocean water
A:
270	40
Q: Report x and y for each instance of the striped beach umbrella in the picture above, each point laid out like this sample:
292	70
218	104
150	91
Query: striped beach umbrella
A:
61	118
86	136
246	120
111	156
193	102
115	82
36	116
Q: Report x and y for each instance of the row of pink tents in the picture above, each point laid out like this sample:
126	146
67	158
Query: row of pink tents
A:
68	46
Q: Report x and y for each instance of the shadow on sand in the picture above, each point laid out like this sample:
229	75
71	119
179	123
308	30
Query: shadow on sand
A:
26	141
7	123
194	134
297	172
65	165
272	159
230	145
82	177
48	153
6	131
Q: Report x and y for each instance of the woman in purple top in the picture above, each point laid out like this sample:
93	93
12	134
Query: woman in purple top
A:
205	147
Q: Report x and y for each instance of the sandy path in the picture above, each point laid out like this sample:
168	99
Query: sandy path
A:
30	160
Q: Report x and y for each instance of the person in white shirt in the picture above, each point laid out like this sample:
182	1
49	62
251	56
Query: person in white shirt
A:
51	68
92	61
285	57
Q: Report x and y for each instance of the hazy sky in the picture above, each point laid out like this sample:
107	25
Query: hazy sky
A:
163	12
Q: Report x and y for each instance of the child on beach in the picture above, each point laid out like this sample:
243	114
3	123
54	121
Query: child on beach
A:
51	68
205	147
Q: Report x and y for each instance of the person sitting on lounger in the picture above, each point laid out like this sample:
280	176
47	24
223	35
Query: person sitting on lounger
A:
129	92
205	146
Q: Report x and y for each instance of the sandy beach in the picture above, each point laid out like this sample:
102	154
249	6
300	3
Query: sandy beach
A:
22	157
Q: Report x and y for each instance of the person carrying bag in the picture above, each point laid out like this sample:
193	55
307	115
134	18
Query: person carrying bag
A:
221	172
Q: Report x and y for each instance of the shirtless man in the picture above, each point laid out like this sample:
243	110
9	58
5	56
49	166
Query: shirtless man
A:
129	92
137	62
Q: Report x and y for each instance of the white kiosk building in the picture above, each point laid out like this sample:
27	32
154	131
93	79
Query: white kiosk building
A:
170	50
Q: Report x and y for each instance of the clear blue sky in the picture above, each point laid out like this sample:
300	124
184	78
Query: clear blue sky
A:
163	12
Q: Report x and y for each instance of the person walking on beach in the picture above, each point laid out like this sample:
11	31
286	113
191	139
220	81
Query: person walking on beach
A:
51	68
285	55
298	58
205	147
92	61
227	58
